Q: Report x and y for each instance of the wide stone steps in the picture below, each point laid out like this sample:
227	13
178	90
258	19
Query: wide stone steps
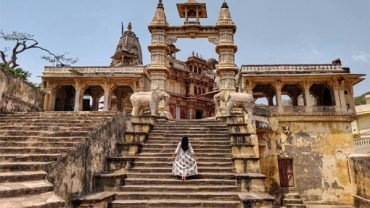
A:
45	128
199	155
168	175
37	144
28	150
41	139
42	133
169	169
14	189
215	196
169	164
179	188
173	203
174	181
166	159
44	200
29	157
22	176
199	134
29	144
194	142
23	166
196	150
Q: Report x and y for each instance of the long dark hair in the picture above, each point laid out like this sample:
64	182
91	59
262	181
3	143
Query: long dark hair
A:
185	143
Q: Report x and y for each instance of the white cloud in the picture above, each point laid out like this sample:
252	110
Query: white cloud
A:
365	58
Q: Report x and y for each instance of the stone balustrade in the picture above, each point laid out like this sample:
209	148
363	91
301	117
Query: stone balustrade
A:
293	68
92	69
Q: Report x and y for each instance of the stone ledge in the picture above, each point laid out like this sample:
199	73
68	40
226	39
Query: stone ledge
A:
255	196
249	176
95	197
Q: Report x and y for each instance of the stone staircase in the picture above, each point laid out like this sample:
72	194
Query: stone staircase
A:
293	200
29	143
150	182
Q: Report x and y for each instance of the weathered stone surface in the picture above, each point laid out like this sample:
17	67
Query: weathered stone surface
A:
361	170
17	95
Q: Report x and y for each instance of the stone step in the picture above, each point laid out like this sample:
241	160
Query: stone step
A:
194	145
173	203
296	206
215	196
196	150
192	139
61	113
166	159
22	176
42	133
292	195
23	166
44	200
29	157
190	135
203	142
14	189
168	175
169	169
292	201
41	139
178	188
46	128
175	181
37	144
55	121
187	131
28	150
169	164
185	128
199	154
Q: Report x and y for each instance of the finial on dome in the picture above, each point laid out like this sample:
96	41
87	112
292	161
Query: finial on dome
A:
224	5
122	28
160	4
129	27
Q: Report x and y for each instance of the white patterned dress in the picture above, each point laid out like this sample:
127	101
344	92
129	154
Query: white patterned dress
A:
184	164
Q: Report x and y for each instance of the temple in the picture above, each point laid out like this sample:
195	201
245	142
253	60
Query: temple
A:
288	145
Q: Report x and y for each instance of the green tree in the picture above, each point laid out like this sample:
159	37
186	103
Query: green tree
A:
360	100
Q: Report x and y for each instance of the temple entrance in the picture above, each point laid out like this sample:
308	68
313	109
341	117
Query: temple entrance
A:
199	115
64	99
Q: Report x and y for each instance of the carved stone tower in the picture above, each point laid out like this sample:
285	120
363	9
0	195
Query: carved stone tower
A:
128	52
158	48
222	35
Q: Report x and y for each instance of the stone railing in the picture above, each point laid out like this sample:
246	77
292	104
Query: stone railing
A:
263	109
87	70
362	145
292	68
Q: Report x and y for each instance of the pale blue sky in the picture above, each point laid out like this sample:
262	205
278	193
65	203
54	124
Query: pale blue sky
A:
269	31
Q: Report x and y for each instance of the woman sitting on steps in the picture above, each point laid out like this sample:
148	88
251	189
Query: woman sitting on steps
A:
185	163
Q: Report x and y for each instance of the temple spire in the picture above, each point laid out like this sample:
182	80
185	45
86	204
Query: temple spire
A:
225	16
159	16
122	28
129	27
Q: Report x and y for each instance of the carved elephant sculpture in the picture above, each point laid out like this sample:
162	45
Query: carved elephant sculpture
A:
151	99
234	99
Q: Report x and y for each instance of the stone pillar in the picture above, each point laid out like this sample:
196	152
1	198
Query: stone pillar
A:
107	96
279	100
52	99
342	97
158	49
78	96
338	106
307	96
270	100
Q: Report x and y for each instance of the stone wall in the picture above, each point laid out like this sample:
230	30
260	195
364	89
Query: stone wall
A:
319	150
17	95
361	171
74	174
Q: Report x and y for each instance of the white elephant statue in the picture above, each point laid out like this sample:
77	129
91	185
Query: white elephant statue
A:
234	99
142	100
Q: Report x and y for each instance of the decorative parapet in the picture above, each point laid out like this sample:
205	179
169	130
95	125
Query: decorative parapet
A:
302	68
362	145
81	71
